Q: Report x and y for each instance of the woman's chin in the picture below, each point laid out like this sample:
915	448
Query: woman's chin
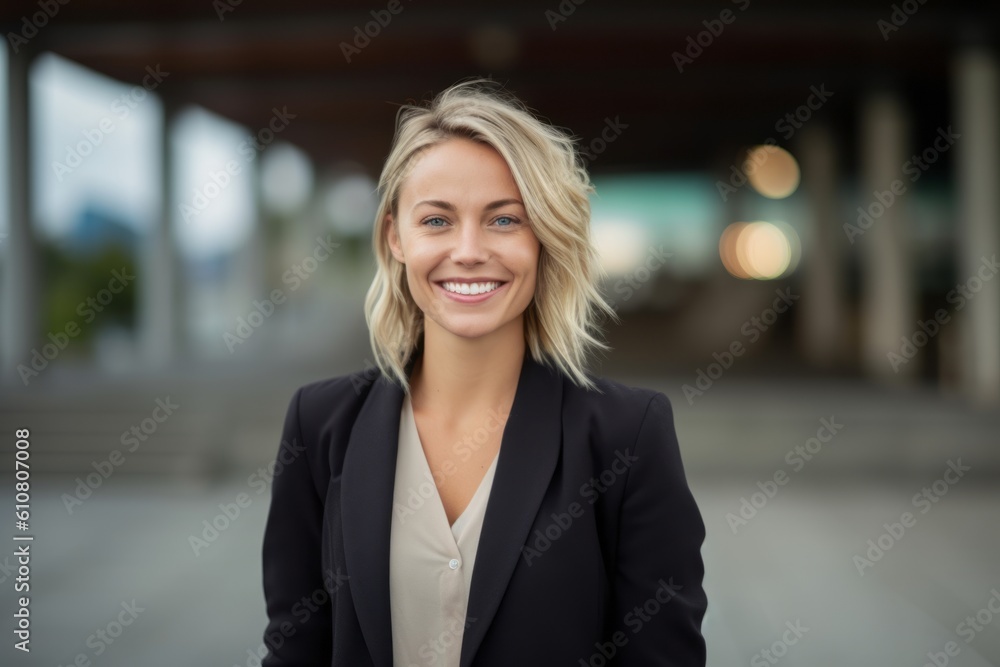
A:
470	331
470	326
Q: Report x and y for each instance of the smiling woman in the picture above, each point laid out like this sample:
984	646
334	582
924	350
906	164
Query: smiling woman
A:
478	154
471	502
463	235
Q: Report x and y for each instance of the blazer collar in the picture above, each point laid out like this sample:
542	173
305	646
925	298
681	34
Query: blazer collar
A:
529	450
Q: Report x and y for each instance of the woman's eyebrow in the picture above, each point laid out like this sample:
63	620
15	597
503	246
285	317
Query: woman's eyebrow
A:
500	203
448	206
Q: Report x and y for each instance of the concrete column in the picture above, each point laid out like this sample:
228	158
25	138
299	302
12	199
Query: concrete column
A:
248	278
822	320
20	289
255	272
887	286
976	93
159	288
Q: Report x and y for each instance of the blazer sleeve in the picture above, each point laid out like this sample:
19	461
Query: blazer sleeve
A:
299	630
659	599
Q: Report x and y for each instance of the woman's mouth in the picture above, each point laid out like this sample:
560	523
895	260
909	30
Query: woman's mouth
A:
471	292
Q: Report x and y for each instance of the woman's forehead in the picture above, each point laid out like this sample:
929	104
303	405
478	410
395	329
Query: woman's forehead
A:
459	172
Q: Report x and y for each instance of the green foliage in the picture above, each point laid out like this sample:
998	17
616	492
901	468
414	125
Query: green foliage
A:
73	284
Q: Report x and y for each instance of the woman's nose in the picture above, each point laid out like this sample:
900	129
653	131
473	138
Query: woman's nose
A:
470	244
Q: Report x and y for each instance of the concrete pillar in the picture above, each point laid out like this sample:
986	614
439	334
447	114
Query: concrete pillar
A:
159	288
822	322
887	285
248	278
20	287
976	95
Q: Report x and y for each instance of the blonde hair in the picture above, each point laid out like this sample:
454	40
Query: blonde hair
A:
561	319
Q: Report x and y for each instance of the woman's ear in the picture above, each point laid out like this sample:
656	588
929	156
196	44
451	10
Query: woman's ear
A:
392	235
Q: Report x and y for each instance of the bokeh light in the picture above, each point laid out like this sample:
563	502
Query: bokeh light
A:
286	178
759	250
772	171
350	202
620	244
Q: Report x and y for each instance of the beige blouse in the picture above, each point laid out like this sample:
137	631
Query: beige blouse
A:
430	562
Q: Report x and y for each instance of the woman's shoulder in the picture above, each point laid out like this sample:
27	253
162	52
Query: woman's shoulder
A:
343	392
614	394
620	422
615	402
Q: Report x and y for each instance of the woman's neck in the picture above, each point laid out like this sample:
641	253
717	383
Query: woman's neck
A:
456	375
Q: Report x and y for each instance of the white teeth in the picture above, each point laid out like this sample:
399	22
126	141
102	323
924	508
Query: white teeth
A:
471	288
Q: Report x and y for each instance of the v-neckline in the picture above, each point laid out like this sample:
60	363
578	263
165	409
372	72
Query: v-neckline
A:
412	425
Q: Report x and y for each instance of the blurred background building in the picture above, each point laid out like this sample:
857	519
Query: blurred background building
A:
798	208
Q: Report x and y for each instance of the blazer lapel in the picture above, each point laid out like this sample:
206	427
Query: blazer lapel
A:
528	455
366	489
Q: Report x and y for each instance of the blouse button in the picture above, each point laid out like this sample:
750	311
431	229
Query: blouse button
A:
453	563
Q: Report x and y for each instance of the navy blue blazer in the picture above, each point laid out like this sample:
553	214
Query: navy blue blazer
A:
590	551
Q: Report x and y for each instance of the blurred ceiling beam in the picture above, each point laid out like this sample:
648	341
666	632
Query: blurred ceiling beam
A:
603	61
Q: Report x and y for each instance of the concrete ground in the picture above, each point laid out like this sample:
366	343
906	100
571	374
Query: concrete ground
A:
791	563
790	560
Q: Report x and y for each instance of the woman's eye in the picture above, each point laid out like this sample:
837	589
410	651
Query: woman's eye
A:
429	222
510	221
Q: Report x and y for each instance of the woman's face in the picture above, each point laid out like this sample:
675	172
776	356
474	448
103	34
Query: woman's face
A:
461	226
